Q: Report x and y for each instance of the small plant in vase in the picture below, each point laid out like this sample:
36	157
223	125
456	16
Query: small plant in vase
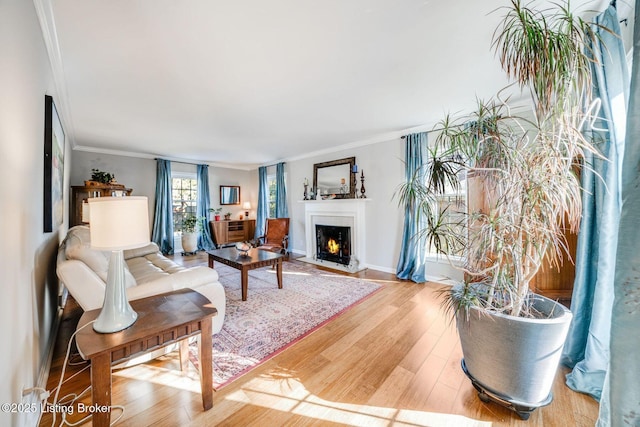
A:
99	177
216	213
227	216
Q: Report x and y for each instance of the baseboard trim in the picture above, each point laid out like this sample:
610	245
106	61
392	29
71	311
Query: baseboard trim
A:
43	375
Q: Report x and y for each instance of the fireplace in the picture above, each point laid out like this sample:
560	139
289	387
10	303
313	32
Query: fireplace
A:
346	216
333	243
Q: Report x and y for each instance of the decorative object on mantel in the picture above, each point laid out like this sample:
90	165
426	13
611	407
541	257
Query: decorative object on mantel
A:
306	185
362	195
243	248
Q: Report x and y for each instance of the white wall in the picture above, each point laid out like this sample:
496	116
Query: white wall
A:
140	175
383	167
28	285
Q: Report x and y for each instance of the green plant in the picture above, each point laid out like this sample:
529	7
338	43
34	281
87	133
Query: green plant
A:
191	223
524	166
103	177
216	211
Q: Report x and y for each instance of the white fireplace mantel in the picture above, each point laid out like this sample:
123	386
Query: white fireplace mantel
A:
340	212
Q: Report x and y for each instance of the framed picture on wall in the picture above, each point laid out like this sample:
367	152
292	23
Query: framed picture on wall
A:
53	166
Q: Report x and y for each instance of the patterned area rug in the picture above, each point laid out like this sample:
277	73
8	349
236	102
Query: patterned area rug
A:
272	319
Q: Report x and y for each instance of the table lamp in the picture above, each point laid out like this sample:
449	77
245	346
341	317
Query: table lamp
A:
246	207
117	223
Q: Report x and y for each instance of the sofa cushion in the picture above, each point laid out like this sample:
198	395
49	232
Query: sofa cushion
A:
151	267
78	247
151	248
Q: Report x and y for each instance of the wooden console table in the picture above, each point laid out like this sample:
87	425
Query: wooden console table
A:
162	320
232	231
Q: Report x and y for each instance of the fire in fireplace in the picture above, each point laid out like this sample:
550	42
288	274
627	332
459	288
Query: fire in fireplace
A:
333	243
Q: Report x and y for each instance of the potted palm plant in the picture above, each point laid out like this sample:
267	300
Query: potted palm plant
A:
525	168
191	226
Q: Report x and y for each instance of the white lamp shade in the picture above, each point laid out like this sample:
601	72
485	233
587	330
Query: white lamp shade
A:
246	206
119	223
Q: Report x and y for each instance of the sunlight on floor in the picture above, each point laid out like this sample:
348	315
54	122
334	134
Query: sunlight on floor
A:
189	381
282	392
294	398
288	273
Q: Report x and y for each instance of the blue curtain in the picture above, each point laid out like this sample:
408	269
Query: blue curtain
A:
163	219
202	208
620	403
587	346
262	212
281	193
411	264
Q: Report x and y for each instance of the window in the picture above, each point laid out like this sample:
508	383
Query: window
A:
271	185
452	206
271	188
184	194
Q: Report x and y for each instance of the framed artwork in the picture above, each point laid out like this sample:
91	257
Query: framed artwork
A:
53	166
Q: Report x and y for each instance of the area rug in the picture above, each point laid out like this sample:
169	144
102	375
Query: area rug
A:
272	319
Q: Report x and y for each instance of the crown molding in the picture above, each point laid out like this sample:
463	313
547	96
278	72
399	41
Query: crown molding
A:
152	156
44	11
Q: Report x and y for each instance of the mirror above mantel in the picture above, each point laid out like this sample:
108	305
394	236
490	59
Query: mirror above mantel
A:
335	179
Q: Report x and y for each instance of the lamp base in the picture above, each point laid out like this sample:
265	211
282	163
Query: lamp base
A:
116	313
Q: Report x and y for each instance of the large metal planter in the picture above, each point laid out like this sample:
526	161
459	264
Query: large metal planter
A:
513	360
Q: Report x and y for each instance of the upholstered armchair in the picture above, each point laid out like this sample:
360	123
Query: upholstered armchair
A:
276	236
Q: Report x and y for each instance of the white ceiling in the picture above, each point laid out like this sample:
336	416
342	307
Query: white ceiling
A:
252	82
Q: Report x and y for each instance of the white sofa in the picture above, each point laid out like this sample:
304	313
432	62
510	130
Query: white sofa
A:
84	272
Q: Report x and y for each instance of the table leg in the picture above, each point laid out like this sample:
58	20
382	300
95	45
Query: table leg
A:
206	363
279	272
210	261
101	389
184	355
245	282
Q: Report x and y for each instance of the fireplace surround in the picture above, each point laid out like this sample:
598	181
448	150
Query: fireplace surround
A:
339	214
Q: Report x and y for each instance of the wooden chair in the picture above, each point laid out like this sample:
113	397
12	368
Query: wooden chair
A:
276	236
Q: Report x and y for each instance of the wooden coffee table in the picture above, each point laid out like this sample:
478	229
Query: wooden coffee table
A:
255	258
162	320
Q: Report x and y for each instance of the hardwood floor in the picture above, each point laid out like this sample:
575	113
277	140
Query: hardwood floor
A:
391	360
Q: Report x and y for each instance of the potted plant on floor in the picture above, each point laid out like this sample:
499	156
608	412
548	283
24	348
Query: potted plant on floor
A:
191	226
525	169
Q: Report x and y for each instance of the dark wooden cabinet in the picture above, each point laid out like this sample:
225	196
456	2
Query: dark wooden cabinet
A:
79	193
232	231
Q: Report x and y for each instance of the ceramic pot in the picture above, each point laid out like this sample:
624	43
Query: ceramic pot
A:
515	357
189	242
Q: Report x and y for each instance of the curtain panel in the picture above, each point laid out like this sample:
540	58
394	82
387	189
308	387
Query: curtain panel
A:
587	347
262	211
162	233
203	203
411	264
281	193
620	403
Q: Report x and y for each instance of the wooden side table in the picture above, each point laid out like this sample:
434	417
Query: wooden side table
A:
162	320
